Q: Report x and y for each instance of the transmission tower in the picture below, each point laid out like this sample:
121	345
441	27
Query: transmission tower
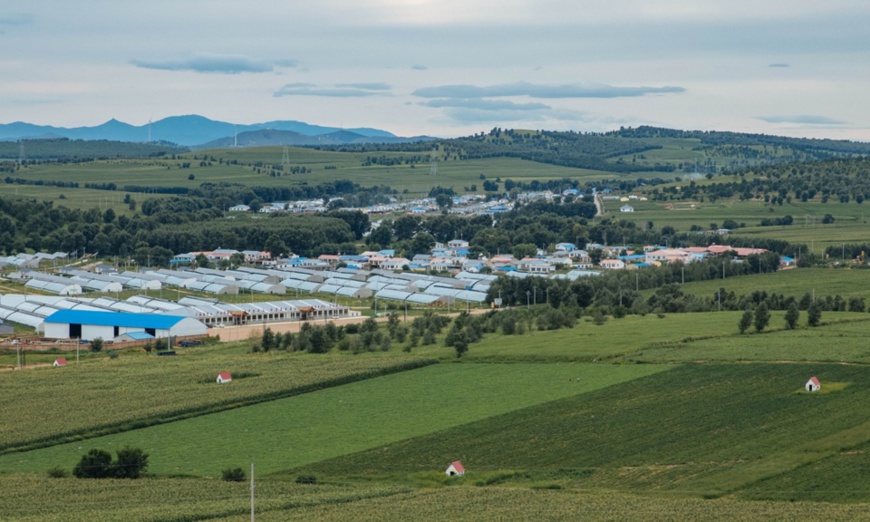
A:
433	163
21	156
285	158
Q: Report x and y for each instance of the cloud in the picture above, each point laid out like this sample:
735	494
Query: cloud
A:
484	105
374	86
344	90
215	63
463	116
16	19
779	65
590	90
806	119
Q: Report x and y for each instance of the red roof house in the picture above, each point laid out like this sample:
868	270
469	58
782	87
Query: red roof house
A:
60	361
812	385
224	377
455	469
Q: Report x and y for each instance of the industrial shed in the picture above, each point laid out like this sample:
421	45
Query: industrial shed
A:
69	288
79	324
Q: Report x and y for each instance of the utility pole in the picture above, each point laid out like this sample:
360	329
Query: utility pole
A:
252	492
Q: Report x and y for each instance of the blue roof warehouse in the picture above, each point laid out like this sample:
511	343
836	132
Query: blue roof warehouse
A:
89	324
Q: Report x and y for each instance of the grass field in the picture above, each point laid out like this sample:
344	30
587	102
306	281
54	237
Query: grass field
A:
695	430
819	281
291	432
105	395
30	498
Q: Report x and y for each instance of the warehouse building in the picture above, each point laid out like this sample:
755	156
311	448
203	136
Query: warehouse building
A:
88	325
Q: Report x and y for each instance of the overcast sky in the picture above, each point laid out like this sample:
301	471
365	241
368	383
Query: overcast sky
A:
444	67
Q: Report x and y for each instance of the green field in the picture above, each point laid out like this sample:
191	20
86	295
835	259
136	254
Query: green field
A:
136	389
287	433
697	429
819	281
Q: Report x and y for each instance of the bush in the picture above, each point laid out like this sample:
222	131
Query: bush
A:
113	354
97	344
57	472
233	475
306	479
96	463
131	463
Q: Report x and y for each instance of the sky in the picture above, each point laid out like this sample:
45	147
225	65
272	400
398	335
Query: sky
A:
444	68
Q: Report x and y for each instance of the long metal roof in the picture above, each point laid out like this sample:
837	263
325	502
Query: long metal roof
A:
90	317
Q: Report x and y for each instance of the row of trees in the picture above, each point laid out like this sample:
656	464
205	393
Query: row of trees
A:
760	317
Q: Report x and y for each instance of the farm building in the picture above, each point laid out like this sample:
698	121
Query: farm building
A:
130	337
455	469
813	385
224	377
87	324
60	361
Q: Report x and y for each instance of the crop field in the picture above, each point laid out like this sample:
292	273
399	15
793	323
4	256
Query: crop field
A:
698	429
37	498
821	281
836	342
105	396
29	497
300	430
511	503
615	339
417	180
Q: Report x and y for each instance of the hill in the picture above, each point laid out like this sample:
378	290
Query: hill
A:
274	137
186	130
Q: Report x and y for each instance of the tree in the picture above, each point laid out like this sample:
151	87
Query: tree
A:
131	463
96	463
233	475
745	321
814	314
791	316
762	317
97	344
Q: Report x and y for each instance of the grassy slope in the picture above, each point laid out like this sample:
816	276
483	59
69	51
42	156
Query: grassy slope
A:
683	430
291	432
135	387
822	281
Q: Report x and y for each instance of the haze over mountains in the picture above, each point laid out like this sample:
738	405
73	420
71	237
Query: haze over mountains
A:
200	132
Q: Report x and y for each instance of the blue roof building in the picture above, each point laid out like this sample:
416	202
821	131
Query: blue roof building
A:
88	324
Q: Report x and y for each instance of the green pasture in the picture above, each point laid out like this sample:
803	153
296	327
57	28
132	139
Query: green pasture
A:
615	339
103	395
698	429
411	181
287	433
819	281
831	342
39	498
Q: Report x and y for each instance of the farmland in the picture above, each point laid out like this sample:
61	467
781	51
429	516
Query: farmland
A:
362	415
136	390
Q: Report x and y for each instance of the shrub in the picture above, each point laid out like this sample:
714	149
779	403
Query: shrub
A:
57	472
96	463
306	479
113	354
131	463
97	344
233	475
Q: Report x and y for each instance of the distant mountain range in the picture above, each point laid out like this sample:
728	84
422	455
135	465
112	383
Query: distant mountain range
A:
199	132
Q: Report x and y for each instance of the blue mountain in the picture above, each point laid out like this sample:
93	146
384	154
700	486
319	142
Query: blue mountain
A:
191	131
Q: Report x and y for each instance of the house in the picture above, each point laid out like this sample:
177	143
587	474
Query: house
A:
626	208
455	469
224	377
455	244
813	385
612	264
60	361
567	247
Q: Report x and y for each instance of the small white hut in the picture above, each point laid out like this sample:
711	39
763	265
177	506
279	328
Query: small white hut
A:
455	469
812	385
224	377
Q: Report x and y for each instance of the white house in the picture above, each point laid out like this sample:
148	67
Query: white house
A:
224	377
813	385
455	469
626	208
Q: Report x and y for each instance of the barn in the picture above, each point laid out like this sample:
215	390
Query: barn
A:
60	361
813	385
89	324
